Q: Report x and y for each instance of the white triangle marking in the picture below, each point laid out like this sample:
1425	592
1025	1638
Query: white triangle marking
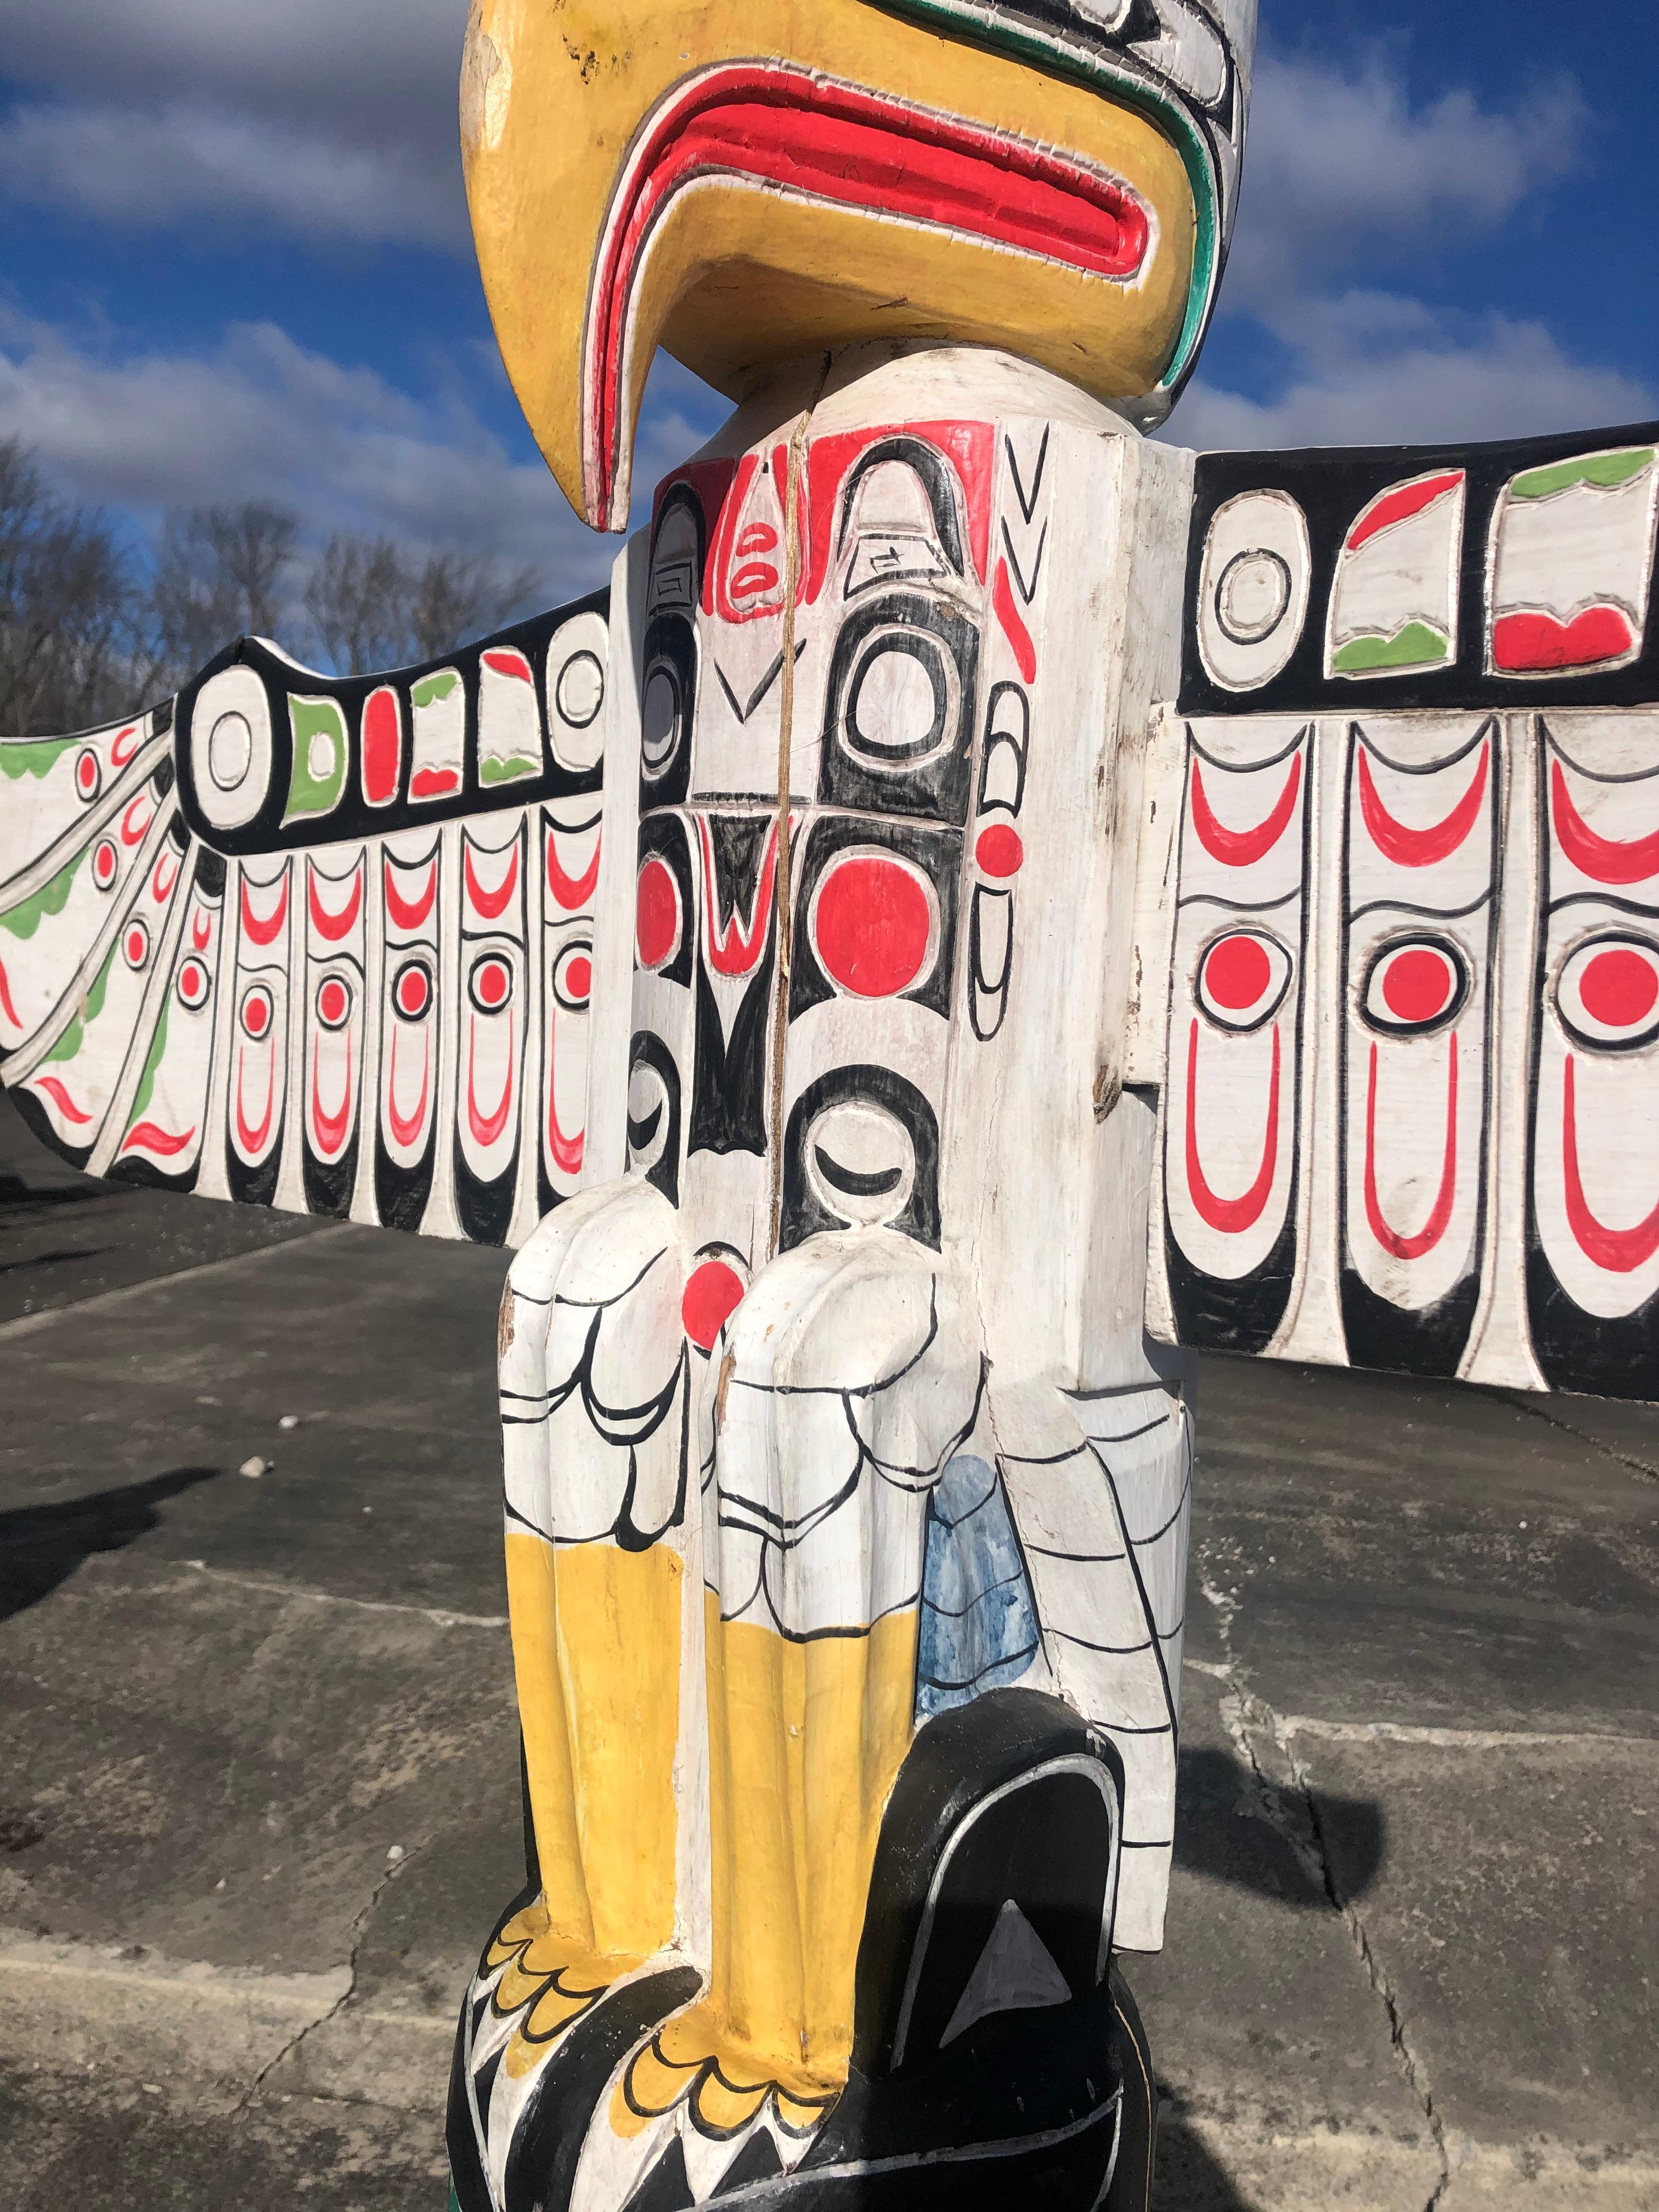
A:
1015	1973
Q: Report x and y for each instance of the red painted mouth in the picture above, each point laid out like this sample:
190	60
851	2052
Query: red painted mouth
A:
796	133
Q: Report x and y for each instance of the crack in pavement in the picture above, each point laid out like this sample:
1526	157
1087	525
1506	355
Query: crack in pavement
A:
439	1616
1638	1467
1241	1710
360	1926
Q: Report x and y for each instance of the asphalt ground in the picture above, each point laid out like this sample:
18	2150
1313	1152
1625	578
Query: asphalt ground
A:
259	1794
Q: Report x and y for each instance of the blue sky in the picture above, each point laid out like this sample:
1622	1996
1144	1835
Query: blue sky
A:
234	263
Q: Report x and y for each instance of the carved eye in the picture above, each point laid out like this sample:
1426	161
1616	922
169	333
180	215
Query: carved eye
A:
411	990
259	1012
194	984
1609	992
658	921
901	703
1414	985
333	1003
861	1163
490	986
1241	979
572	977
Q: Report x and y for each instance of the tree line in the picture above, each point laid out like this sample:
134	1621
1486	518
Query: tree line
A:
92	626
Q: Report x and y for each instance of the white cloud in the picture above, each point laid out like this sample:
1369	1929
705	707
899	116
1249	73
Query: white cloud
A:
1342	172
128	166
261	417
1346	184
1373	369
313	117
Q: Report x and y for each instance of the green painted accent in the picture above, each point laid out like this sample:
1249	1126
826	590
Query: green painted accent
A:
308	794
454	2201
1417	645
70	1043
147	1081
23	920
1602	471
492	768
1097	72
431	688
38	758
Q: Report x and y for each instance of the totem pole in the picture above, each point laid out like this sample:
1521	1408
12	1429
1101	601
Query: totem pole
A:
984	904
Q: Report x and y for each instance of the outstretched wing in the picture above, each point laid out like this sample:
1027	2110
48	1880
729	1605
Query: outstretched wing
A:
319	944
1411	1068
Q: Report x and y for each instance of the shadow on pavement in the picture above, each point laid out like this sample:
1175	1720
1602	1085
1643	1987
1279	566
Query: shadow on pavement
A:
1187	2177
1214	1790
42	1546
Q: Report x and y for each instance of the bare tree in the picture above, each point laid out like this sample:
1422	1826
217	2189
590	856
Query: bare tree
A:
220	574
66	606
372	609
357	597
457	599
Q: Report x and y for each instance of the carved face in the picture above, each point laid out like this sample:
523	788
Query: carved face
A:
903	619
746	187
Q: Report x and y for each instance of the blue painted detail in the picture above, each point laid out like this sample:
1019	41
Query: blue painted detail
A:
979	1627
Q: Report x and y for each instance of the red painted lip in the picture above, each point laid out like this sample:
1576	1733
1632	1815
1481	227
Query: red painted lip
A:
797	133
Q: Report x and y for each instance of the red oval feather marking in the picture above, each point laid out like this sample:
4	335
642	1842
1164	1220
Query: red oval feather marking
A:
6	1005
490	905
486	1128
334	926
570	892
1413	1248
1620	1251
1608	859
250	1140
566	1152
405	1129
331	1129
410	913
1420	848
1242	848
262	932
1231	1215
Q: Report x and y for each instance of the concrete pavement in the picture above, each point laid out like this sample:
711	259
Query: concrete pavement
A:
258	1773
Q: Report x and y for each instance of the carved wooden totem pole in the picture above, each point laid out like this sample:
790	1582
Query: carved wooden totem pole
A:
984	902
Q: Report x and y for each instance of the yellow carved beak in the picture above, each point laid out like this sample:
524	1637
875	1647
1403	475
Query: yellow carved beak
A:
744	184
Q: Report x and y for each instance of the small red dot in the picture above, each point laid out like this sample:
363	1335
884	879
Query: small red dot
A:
712	1296
1000	851
579	978
1419	984
1618	988
1237	973
333	1003
491	983
256	1013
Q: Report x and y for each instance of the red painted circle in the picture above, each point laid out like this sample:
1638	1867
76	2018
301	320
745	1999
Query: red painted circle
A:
491	984
193	983
257	1010
135	945
577	977
104	863
1419	984
1000	851
872	926
657	915
1236	972
333	1002
712	1294
89	774
1618	988
412	991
